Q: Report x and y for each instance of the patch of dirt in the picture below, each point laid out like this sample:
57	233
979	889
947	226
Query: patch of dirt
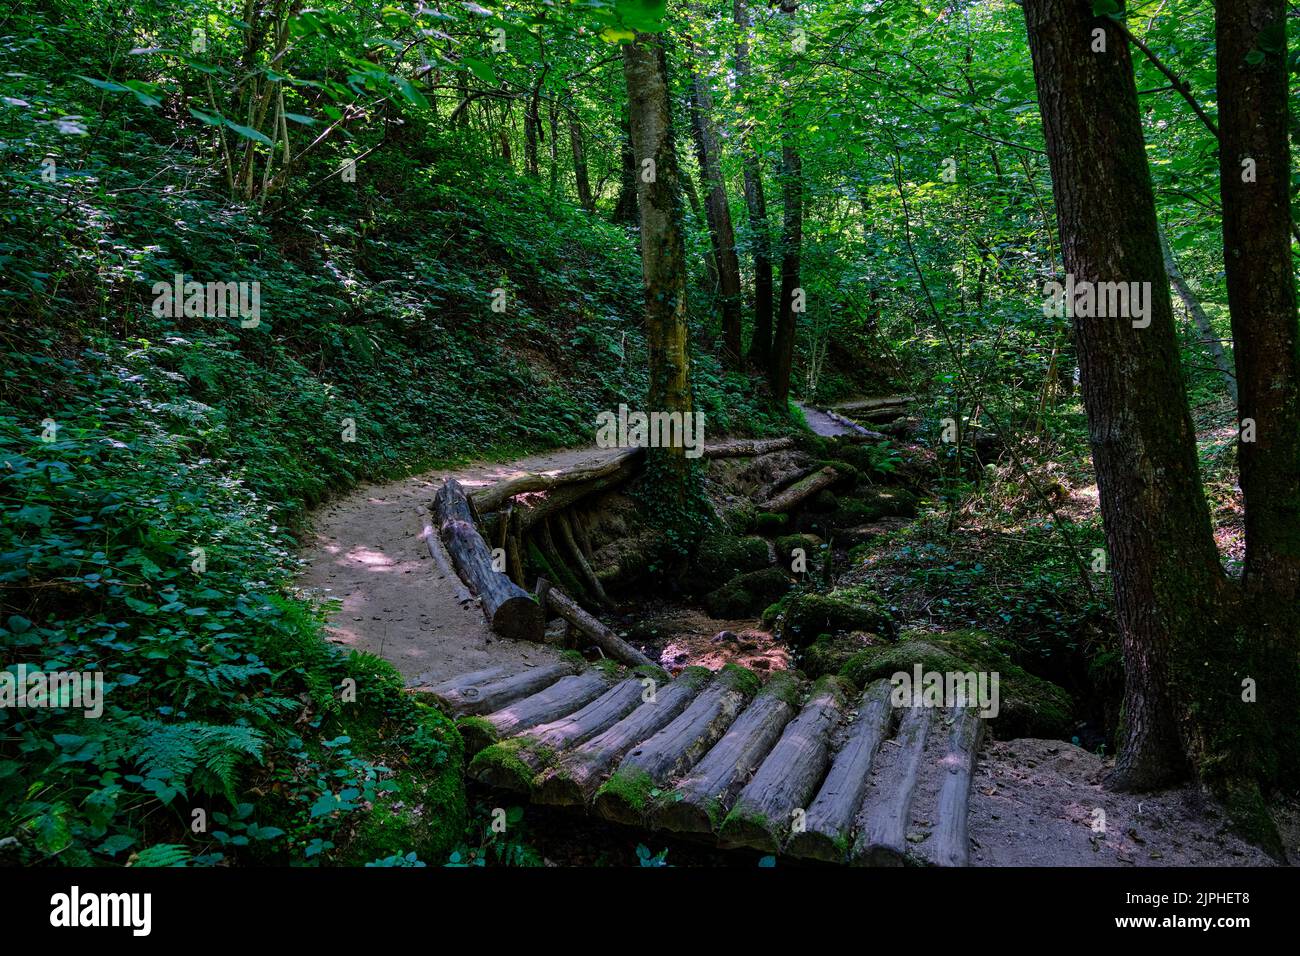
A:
688	638
1041	803
364	551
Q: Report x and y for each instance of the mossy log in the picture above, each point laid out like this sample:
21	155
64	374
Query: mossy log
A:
563	697
512	765
747	447
800	491
950	841
766	808
882	836
575	778
484	691
509	609
599	635
625	797
702	798
828	824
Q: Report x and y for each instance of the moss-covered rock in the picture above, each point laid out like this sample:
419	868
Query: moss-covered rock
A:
720	557
747	594
830	652
803	617
848	474
768	523
1028	706
873	503
810	544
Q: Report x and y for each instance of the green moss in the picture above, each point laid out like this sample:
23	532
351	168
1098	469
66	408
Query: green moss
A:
813	551
767	523
808	615
746	827
428	811
783	685
830	652
511	763
1028	706
478	732
720	557
849	475
558	574
630	789
874	502
740	678
747	594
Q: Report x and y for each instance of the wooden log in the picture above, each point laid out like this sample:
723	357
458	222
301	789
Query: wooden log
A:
459	697
533	511
563	697
439	554
772	802
882	836
747	447
515	548
584	567
599	635
802	489
513	764
702	798
552	563
950	839
871	404
509	609
858	429
492	497
626	796
828	825
575	778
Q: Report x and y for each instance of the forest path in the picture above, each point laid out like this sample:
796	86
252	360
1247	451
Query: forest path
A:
822	423
364	550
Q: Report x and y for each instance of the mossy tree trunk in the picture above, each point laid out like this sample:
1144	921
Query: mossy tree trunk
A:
791	247
1169	585
663	252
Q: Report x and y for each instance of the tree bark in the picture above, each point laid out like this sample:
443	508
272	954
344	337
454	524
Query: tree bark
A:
1162	556
1254	183
760	343
791	247
1199	318
580	177
663	253
625	209
717	213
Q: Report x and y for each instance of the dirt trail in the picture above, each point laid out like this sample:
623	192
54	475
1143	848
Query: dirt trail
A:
821	423
365	550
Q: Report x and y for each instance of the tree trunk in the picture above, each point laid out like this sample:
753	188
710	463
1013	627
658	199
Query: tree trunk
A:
1254	183
581	180
663	253
791	243
1162	556
718	214
1199	318
625	209
760	344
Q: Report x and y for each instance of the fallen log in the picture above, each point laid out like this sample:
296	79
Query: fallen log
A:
951	840
439	554
575	778
702	798
626	796
858	429
599	635
801	490
509	609
493	497
882	839
485	691
747	447
871	404
772	803
829	822
563	697
594	587
515	763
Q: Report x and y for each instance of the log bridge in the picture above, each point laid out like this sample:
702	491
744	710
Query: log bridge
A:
810	771
533	515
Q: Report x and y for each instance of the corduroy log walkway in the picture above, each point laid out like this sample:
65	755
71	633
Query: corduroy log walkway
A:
818	771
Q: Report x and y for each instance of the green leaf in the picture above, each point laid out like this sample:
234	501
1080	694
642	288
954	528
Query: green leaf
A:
481	70
249	133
